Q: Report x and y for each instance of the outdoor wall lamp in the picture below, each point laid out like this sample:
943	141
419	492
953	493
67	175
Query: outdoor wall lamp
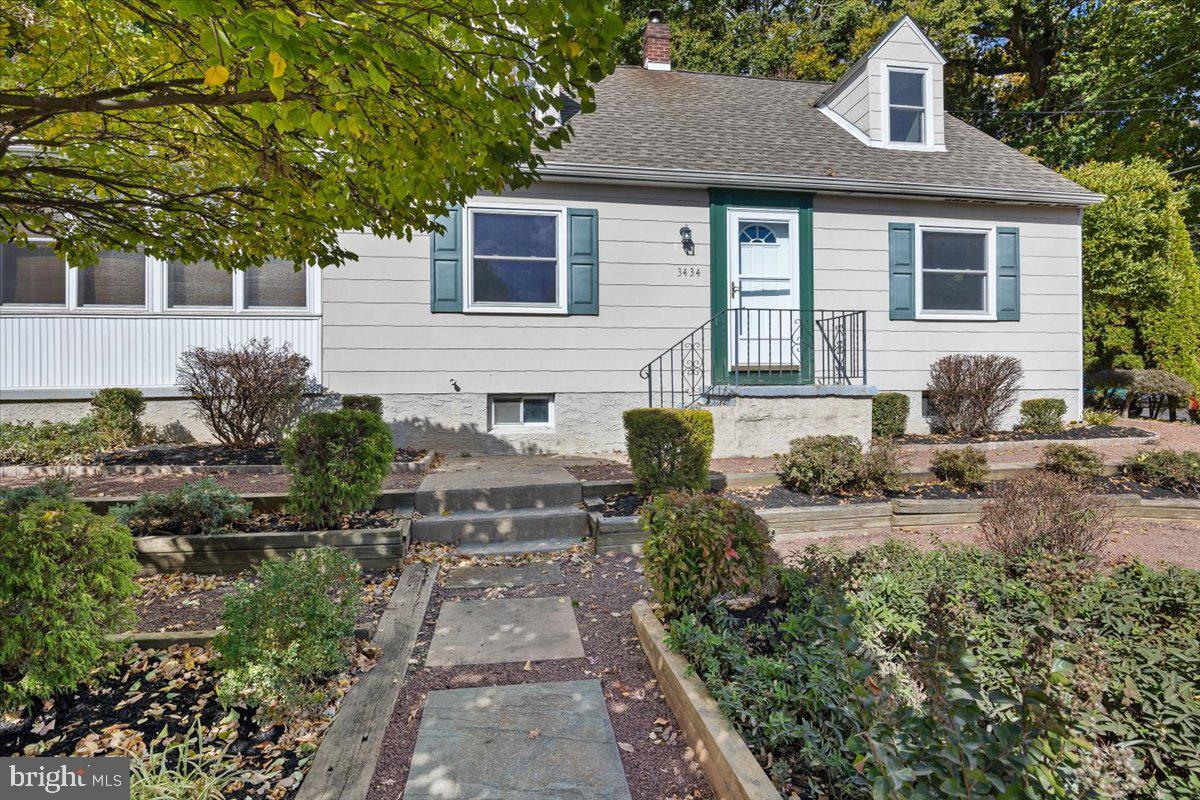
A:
685	236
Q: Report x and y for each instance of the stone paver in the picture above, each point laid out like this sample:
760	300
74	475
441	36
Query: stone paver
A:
505	630
540	741
480	577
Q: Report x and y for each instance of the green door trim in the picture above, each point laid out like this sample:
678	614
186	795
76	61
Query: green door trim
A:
719	203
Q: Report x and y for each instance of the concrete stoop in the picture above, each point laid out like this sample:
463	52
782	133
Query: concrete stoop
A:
500	504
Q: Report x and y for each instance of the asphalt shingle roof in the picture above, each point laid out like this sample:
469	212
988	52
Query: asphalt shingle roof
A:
702	122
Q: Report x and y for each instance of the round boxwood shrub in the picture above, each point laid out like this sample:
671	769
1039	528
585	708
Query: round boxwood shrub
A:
669	448
889	415
1073	460
964	468
363	402
699	547
821	464
337	460
1042	415
66	582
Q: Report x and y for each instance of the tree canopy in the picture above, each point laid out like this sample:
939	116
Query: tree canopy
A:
1141	280
238	130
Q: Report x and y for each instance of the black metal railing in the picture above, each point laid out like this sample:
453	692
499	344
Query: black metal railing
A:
760	346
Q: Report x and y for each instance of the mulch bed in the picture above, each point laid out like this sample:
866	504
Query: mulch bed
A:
145	693
182	601
190	455
606	471
658	763
280	522
241	483
1074	433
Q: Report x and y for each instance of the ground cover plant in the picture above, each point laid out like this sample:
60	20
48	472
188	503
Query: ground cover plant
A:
669	448
964	468
1075	460
113	422
196	507
879	674
1177	470
825	465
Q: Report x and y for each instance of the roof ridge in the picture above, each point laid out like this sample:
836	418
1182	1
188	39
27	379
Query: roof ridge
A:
724	75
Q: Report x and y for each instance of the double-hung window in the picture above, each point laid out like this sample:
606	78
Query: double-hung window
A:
515	260
907	105
956	272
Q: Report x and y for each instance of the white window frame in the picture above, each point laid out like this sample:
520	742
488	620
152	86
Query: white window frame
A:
989	281
470	306
519	426
888	67
156	294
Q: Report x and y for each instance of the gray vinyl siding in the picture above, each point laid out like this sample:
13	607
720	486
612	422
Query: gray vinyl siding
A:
380	337
850	271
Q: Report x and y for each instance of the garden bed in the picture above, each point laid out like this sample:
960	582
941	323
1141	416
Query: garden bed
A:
282	522
191	459
147	693
1075	433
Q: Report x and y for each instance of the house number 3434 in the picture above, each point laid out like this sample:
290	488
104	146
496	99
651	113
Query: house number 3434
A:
688	272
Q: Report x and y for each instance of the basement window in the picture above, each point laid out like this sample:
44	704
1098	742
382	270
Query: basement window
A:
520	411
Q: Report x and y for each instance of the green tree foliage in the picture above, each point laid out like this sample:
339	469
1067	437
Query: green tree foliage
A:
1141	279
238	130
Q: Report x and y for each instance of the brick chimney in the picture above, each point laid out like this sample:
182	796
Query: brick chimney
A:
656	43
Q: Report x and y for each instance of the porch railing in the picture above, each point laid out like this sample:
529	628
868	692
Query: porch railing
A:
762	347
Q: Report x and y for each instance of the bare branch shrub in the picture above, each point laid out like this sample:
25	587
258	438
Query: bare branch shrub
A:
970	393
247	394
1046	513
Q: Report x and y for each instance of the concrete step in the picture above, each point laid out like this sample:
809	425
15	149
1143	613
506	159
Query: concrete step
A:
514	548
484	527
436	500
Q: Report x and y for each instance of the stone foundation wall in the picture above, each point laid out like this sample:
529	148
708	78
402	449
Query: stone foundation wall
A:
763	426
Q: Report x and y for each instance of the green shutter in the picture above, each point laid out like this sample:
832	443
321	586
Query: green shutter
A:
902	279
583	266
445	265
1008	274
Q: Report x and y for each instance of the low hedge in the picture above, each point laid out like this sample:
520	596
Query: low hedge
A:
115	421
363	402
337	461
964	469
1042	415
669	448
889	415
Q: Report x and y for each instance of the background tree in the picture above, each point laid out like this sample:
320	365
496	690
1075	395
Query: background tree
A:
238	130
1141	280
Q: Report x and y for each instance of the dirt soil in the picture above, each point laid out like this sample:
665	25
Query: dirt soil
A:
1074	433
1166	542
279	522
131	485
184	601
658	763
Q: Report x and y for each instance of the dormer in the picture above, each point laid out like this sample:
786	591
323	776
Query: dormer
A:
894	96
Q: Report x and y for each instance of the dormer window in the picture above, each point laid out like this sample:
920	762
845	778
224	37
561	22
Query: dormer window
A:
907	110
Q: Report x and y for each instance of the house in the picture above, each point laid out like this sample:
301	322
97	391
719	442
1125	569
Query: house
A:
775	250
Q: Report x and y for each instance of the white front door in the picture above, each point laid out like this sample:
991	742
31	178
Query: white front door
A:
764	288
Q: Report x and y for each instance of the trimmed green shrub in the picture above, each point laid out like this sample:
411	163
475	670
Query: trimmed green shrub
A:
669	448
821	464
1042	415
197	507
363	402
889	415
1072	460
66	582
699	547
1168	469
288	631
118	415
882	467
50	442
337	460
964	468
